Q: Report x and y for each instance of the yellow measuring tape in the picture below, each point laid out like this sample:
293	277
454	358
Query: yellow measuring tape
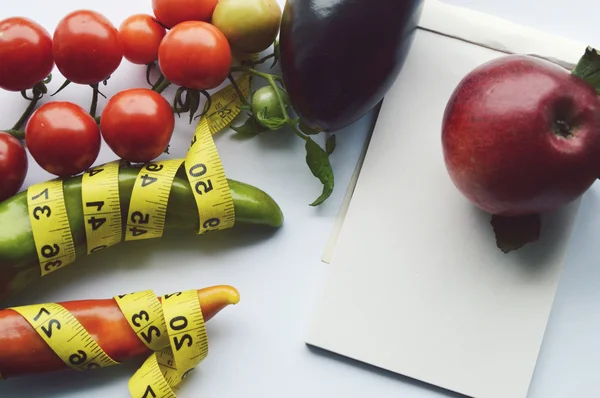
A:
50	226
149	199
66	336
101	206
182	325
173	328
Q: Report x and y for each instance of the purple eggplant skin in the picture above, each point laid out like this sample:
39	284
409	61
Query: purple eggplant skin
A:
340	57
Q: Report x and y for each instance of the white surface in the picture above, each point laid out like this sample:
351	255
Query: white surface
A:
438	301
572	20
257	348
499	34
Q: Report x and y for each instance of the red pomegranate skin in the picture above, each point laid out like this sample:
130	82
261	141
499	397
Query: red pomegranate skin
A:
521	135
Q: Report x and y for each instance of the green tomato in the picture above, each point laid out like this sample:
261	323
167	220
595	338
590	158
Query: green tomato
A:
265	99
251	26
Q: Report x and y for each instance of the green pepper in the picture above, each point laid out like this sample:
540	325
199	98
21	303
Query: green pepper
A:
19	264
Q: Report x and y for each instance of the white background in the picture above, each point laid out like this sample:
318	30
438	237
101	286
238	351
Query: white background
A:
257	348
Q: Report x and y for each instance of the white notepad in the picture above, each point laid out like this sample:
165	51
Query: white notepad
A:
417	285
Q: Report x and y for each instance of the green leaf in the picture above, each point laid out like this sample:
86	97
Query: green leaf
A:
272	123
306	129
250	128
318	162
330	145
588	67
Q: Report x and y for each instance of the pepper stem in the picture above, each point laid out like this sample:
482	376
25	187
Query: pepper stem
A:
588	67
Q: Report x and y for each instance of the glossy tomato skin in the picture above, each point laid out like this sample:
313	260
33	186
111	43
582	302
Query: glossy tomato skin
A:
140	37
195	55
25	54
63	138
13	165
87	48
265	100
137	124
251	26
173	12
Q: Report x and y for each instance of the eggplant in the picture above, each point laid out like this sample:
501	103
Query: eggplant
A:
340	57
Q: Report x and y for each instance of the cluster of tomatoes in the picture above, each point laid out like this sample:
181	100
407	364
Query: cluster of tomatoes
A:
193	42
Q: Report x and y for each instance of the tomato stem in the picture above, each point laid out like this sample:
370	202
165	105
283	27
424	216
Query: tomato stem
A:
160	23
161	85
264	59
237	90
94	105
24	95
32	103
18	134
61	88
271	80
179	106
149	68
207	104
38	92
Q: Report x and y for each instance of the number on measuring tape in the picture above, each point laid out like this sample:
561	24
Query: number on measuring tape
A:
149	381
187	334
50	226
101	206
209	183
143	311
65	336
203	165
226	104
186	347
149	200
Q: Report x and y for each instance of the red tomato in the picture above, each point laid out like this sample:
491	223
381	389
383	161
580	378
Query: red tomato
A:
140	37
87	48
137	124
13	165
26	54
172	12
63	138
195	55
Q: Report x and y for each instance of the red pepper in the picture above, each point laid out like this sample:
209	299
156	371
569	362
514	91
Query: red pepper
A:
24	352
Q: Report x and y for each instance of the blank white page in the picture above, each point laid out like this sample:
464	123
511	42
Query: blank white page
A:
417	285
